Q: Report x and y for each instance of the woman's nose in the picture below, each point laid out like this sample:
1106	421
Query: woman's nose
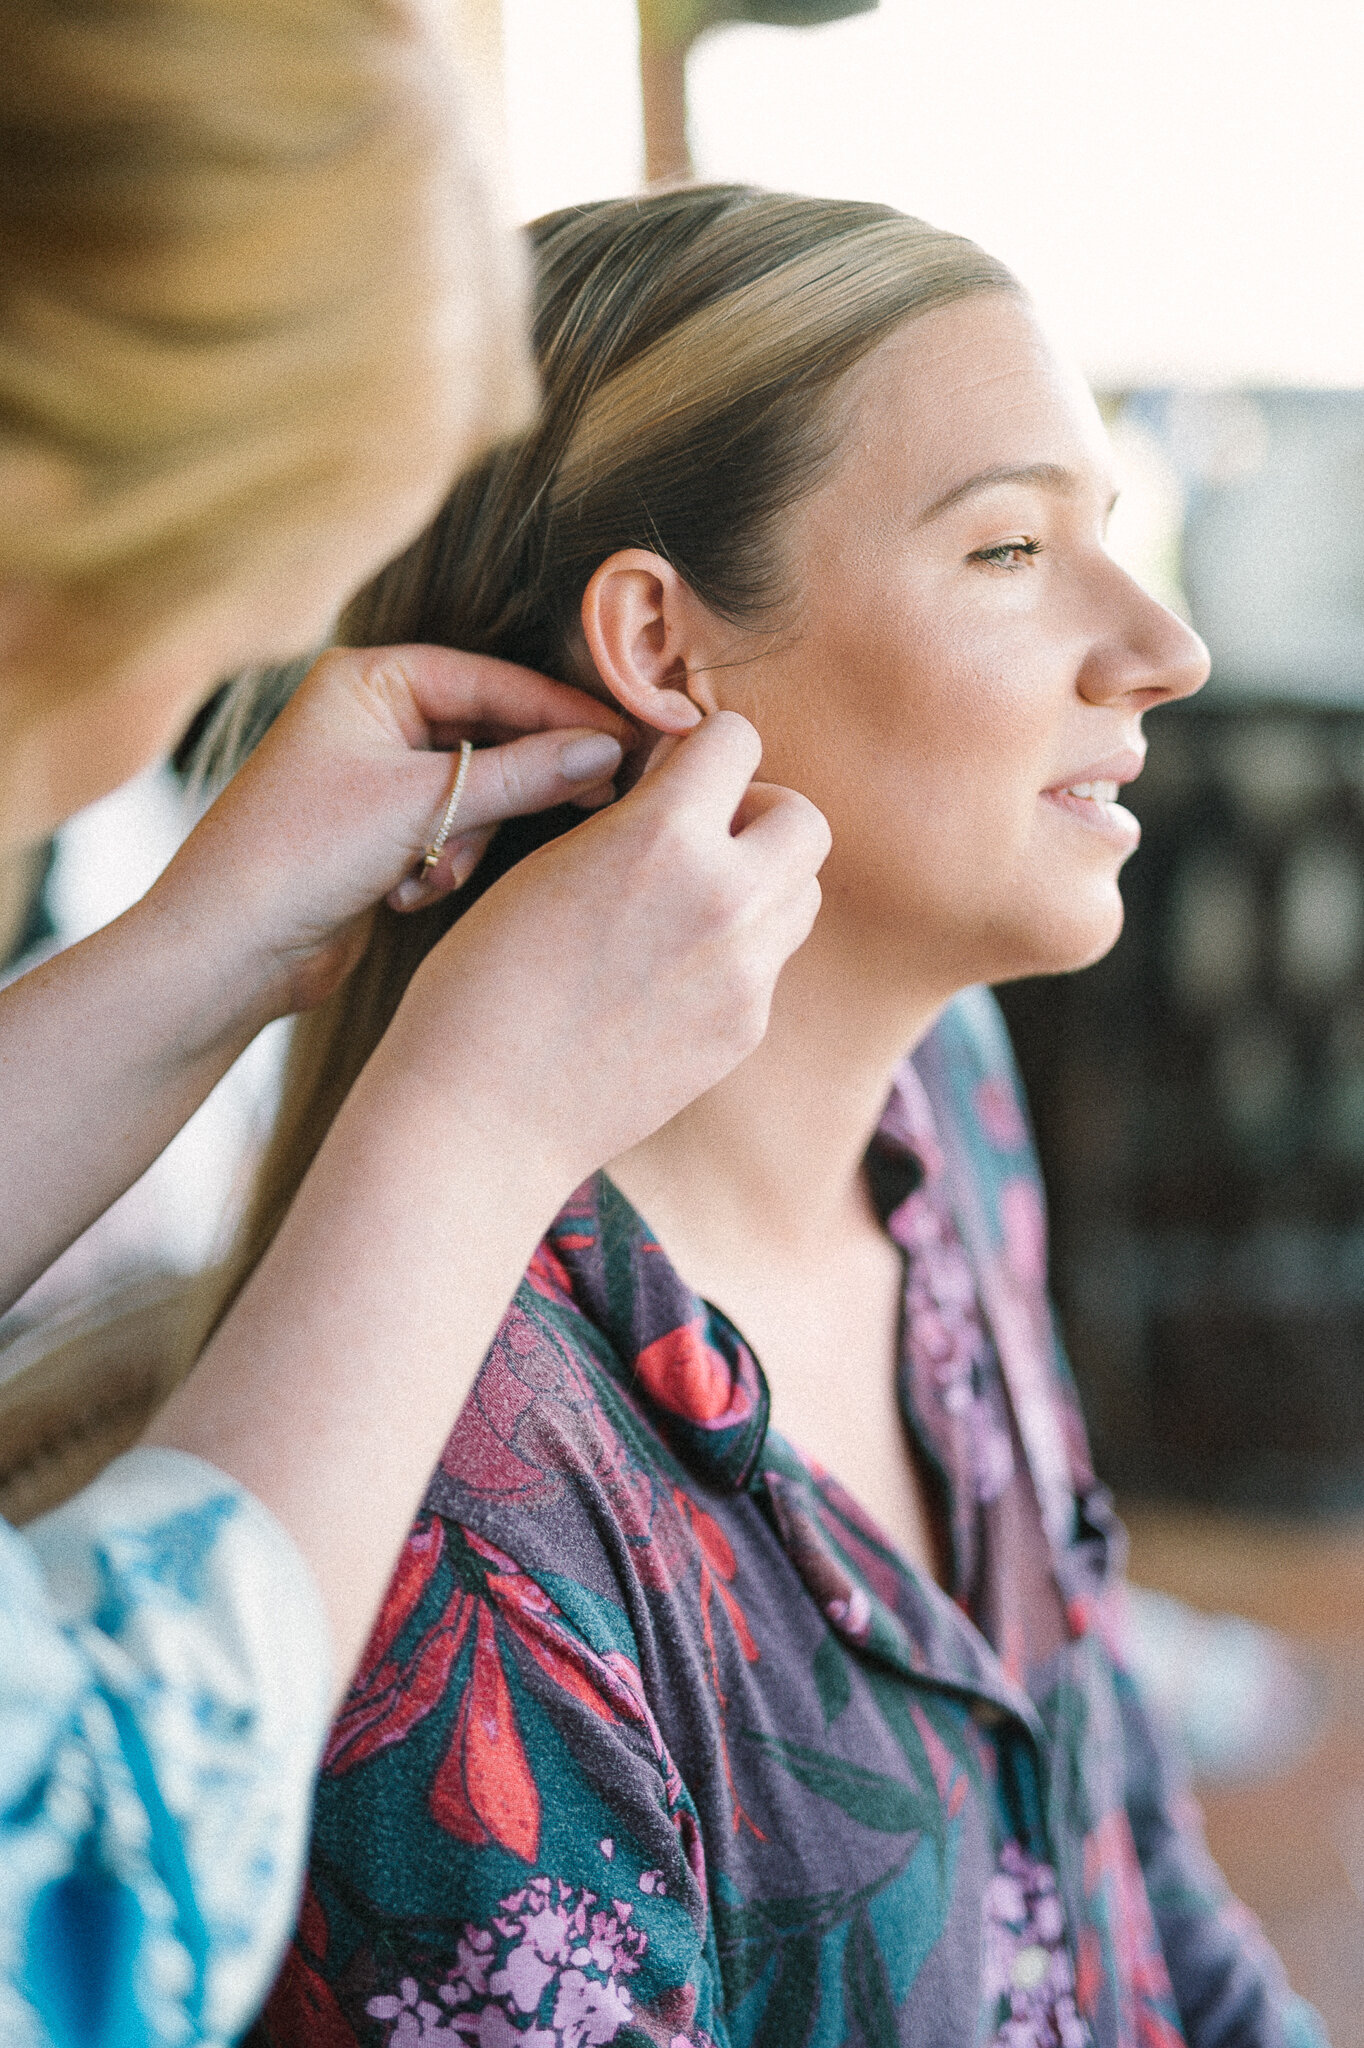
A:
1142	653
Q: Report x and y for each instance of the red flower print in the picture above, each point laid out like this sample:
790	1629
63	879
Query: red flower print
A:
388	1699
610	1686
548	1274
302	2005
1089	1971
686	1375
718	1563
484	1788
1115	1891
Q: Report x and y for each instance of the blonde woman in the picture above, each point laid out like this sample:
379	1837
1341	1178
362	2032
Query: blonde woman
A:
253	312
753	1671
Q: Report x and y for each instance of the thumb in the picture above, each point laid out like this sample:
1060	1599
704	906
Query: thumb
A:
707	770
509	781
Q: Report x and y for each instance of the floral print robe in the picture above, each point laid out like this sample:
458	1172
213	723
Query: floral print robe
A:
165	1676
658	1740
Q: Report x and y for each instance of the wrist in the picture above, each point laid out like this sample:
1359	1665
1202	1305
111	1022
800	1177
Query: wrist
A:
471	1119
212	986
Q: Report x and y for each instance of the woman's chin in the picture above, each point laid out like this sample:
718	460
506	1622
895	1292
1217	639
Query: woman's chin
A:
1072	936
1083	940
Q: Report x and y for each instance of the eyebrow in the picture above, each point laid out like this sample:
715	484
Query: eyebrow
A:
1046	476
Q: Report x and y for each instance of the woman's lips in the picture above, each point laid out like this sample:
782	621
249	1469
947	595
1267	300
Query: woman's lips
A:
1095	805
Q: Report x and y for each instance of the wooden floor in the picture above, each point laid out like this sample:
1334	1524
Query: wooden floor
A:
1293	1845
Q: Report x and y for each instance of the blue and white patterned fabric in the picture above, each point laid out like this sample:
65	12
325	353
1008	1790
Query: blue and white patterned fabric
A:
165	1673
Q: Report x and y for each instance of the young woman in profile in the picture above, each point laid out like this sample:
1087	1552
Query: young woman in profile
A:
719	1701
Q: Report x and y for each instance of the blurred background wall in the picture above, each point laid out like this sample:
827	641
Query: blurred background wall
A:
1174	181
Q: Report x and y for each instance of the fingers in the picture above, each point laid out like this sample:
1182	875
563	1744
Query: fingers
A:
778	837
781	826
533	773
788	929
512	781
705	772
780	850
457	695
709	773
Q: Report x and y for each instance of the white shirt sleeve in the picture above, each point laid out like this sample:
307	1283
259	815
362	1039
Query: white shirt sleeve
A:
164	1695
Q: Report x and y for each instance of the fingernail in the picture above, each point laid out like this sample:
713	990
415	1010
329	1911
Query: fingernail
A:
596	754
407	894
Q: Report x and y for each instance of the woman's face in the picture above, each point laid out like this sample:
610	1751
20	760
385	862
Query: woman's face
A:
73	726
962	689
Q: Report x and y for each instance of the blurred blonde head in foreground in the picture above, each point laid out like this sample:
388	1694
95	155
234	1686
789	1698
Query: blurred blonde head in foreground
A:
255	311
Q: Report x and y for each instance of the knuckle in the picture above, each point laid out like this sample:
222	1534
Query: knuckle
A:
334	668
750	1018
381	669
722	904
808	826
508	791
668	855
672	839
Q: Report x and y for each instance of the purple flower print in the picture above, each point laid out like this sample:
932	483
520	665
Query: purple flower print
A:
588	2011
1000	1115
475	1952
852	1615
1029	1980
950	1354
1025	1228
419	2020
547	1974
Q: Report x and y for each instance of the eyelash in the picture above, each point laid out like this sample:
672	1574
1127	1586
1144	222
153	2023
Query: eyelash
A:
994	557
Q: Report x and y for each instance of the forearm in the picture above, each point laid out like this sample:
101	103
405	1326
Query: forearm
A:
331	1387
583	1001
105	1051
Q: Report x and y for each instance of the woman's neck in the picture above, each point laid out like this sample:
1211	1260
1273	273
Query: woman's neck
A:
767	1165
758	1198
760	1203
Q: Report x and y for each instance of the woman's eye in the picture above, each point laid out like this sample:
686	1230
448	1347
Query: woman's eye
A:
1010	554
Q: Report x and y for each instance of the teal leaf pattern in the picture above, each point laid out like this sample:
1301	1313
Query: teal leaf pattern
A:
790	1792
886	1804
832	1682
868	1990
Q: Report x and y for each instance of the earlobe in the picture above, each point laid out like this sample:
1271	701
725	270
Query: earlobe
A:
635	615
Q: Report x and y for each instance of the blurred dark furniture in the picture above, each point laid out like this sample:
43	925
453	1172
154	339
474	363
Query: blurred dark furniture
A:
1199	1099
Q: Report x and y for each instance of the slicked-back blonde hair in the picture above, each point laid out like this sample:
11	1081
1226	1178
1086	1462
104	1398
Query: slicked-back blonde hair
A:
248	279
690	345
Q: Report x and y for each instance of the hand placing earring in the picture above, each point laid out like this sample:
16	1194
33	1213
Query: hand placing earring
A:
503	782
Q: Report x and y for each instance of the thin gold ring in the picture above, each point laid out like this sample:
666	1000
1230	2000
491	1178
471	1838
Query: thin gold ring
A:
433	851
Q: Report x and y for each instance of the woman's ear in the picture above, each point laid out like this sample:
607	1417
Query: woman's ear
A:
640	621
